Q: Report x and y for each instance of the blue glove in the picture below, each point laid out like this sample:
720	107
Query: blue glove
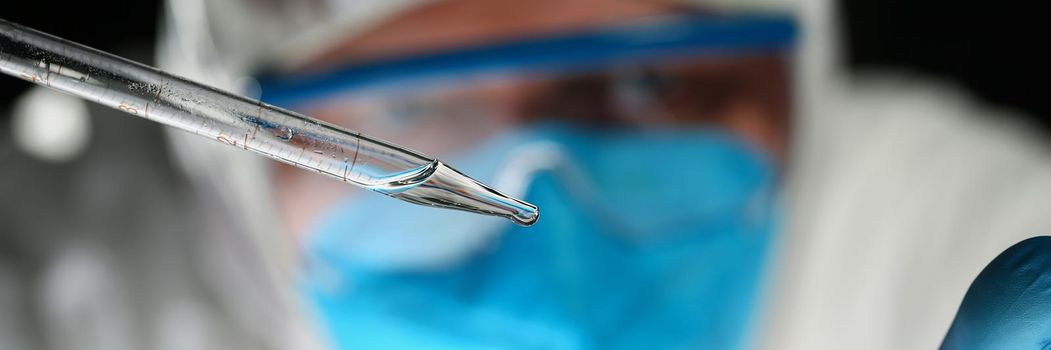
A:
1009	305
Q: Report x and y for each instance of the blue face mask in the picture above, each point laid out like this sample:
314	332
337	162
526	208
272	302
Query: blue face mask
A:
646	240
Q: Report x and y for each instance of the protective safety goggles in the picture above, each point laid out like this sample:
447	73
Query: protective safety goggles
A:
654	72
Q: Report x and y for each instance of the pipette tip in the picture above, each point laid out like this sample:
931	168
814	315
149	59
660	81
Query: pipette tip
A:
448	188
526	217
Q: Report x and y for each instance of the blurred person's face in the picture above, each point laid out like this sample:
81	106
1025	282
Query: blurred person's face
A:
649	136
743	94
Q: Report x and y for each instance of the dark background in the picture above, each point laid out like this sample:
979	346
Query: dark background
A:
992	48
995	49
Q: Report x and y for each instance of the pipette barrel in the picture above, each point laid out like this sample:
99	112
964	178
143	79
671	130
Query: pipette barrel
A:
247	124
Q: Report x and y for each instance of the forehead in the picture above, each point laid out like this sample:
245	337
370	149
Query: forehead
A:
457	23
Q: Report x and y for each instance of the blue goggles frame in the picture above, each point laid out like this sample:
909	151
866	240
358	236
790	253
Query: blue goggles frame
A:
664	37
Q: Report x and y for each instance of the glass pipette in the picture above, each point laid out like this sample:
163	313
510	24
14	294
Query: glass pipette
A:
248	124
